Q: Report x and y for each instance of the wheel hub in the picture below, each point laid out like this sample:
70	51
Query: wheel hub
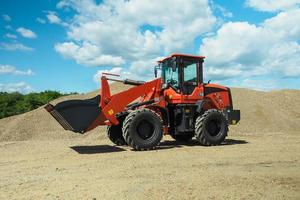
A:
214	127
145	129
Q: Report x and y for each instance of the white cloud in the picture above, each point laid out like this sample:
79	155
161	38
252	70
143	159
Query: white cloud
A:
135	33
15	47
246	50
8	69
220	9
285	25
54	19
114	70
135	30
40	20
285	58
139	70
21	87
144	69
273	5
221	74
11	36
27	33
261	85
8	27
87	54
6	18
235	41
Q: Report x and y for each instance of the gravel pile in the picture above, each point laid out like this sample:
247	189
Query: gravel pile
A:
275	111
39	124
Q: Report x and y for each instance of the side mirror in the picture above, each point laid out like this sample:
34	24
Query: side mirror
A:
155	72
164	86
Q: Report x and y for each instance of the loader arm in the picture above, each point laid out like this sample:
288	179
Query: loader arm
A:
84	115
111	105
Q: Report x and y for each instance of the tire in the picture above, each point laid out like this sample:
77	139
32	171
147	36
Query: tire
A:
211	128
183	138
115	134
142	129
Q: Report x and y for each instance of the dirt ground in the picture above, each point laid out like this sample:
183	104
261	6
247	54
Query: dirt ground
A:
259	160
248	166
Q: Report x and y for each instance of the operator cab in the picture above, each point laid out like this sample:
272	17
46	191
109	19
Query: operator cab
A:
181	72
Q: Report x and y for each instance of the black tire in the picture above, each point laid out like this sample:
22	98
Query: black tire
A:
142	129
211	128
115	133
183	138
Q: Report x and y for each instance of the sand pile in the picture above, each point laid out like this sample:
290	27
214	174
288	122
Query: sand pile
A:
275	111
39	124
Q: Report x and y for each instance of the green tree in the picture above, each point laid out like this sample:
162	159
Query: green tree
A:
16	103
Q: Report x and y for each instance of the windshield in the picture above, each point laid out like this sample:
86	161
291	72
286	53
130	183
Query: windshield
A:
170	76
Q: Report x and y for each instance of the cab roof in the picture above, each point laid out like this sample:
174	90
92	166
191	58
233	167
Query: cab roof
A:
181	55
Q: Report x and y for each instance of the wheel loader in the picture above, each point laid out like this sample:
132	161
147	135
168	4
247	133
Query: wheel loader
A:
177	103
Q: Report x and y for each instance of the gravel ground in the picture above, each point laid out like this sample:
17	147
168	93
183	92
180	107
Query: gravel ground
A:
259	166
259	160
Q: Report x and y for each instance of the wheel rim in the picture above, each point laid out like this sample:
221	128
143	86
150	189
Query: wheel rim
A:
214	127
145	129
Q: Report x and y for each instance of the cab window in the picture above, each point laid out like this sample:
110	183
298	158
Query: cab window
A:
171	77
190	72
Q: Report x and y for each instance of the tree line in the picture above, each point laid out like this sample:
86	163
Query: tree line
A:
16	103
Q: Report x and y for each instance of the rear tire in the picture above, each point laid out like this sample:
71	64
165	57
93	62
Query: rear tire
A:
142	129
211	128
115	133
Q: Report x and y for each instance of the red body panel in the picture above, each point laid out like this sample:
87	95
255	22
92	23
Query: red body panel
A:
181	55
175	98
217	100
220	99
119	101
111	105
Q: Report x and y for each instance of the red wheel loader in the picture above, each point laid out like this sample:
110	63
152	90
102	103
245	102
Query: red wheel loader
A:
178	103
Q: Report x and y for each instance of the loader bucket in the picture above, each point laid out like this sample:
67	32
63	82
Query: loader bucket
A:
76	115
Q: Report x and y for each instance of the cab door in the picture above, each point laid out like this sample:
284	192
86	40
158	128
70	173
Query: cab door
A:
190	79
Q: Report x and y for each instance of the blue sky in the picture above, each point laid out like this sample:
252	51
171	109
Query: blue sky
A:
66	45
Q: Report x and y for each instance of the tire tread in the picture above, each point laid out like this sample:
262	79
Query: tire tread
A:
127	123
199	133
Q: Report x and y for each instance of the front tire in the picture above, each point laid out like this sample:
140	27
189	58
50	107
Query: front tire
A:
142	129
211	128
114	132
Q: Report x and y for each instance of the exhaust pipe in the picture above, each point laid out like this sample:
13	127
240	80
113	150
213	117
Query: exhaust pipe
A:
76	115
